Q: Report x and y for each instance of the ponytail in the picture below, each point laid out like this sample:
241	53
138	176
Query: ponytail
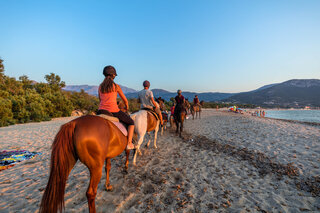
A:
108	85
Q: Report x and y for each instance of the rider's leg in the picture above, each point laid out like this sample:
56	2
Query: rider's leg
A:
130	135
125	118
158	111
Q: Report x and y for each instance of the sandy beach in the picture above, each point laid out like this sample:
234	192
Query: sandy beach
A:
225	162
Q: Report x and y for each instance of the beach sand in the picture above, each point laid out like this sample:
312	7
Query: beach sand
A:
225	162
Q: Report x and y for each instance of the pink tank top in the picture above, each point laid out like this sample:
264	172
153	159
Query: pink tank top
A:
108	101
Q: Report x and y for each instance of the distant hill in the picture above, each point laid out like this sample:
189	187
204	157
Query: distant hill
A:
264	87
93	90
207	96
132	93
292	93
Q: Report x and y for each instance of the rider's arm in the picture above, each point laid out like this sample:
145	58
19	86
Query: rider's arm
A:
123	97
153	102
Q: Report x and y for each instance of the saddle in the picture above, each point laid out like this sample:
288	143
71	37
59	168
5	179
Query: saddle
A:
152	112
108	116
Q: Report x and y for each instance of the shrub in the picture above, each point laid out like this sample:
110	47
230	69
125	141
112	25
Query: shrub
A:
6	116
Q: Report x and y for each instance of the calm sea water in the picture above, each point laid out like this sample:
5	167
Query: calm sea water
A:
296	115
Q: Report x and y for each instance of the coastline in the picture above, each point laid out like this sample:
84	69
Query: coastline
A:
225	162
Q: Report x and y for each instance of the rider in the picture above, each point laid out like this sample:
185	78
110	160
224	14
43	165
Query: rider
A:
172	110
180	100
196	100
147	101
108	91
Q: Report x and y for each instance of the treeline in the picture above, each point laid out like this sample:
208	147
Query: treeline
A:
24	101
222	105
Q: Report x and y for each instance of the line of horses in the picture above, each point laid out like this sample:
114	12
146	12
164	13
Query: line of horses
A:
95	141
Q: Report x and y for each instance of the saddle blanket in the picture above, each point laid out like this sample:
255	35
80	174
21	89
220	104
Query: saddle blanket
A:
116	122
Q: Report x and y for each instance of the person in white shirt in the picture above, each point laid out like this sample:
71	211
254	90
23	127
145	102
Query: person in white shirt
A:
147	101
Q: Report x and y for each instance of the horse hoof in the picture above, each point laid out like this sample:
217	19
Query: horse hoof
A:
125	171
109	188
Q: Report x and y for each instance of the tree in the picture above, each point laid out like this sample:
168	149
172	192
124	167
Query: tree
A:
5	112
1	70
54	81
26	83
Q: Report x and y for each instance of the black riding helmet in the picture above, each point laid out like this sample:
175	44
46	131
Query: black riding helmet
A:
109	70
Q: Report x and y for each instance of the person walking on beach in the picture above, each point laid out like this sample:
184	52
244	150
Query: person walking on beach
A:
147	101
108	91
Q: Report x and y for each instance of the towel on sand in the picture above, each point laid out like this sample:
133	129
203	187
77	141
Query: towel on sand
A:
10	158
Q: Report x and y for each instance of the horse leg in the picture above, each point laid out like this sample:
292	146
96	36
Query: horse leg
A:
149	139
181	129
177	125
107	168
127	161
95	176
156	135
141	137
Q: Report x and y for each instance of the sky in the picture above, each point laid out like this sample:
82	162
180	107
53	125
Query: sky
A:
198	46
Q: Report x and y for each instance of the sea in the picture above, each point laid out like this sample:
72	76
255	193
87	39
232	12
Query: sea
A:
295	115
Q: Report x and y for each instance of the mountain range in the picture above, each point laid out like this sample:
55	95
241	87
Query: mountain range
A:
292	93
93	90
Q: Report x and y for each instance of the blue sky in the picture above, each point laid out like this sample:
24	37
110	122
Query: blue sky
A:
199	46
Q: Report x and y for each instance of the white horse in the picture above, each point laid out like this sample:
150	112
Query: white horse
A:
144	122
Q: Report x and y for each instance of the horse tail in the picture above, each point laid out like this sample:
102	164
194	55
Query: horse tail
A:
63	158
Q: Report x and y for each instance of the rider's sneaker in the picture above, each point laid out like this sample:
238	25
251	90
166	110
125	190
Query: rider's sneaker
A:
130	146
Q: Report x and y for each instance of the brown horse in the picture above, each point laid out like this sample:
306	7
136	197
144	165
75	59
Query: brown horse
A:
188	106
195	110
165	121
161	104
94	141
179	117
164	114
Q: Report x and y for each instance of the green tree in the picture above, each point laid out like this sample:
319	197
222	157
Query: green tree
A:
83	101
26	83
6	117
35	105
1	72
54	81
